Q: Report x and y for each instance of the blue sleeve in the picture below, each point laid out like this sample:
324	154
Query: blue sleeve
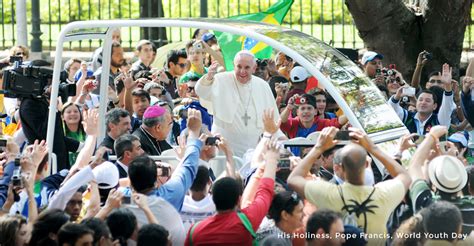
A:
5	181
175	189
467	105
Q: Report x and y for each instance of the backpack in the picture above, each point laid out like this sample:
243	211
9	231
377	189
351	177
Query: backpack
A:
242	218
354	210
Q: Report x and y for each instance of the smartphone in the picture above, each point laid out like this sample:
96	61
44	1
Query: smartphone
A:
126	200
342	135
212	140
3	145
284	163
409	91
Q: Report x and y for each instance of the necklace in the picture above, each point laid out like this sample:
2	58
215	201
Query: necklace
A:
245	117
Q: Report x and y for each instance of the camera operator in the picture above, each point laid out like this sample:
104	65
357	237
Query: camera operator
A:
34	113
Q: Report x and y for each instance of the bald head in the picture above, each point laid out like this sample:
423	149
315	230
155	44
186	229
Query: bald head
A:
353	159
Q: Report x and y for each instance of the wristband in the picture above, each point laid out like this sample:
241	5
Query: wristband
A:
267	135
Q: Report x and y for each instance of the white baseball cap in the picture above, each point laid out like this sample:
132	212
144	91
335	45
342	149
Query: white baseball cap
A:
298	74
370	56
106	175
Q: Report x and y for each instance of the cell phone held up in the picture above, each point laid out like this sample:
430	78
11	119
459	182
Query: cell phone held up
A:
16	176
342	135
212	141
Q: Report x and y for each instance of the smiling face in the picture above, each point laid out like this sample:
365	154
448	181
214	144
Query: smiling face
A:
244	67
371	67
71	115
425	103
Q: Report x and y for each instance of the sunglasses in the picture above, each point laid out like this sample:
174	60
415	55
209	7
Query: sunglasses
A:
182	65
395	80
190	88
262	63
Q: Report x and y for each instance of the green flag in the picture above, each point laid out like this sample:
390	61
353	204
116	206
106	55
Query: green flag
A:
231	44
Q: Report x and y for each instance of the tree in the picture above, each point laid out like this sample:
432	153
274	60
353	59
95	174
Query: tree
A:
400	31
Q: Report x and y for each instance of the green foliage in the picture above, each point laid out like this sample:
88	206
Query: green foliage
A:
64	11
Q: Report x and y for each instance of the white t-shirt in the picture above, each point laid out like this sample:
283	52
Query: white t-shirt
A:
195	211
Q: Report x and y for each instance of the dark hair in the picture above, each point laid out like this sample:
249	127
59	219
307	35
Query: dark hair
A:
431	92
9	226
122	223
142	173
80	129
49	221
470	180
145	42
124	143
283	201
151	235
225	193
193	78
323	219
174	55
99	228
433	73
114	116
442	217
332	150
70	233
201	180
139	92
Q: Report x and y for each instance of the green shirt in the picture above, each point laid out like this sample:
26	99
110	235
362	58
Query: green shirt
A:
189	74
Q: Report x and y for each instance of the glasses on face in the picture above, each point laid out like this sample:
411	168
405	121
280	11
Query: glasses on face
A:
262	62
20	53
182	65
190	88
395	80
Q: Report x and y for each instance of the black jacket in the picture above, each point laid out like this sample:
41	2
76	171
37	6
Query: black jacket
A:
34	121
150	145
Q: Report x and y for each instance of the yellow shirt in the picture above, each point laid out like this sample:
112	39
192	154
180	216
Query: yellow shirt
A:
385	199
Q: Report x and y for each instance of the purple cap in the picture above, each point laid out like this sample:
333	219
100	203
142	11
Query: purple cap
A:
153	112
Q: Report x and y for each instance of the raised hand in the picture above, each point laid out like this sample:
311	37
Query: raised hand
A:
212	70
362	139
467	84
90	121
140	199
438	131
446	77
422	60
272	152
223	146
405	142
114	200
326	138
269	124
194	121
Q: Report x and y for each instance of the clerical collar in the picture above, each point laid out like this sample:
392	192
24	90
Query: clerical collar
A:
147	133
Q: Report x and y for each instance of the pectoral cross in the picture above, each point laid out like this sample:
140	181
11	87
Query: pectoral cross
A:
246	117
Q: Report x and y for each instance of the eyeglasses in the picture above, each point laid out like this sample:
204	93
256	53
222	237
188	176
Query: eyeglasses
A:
190	88
182	65
395	80
20	53
262	62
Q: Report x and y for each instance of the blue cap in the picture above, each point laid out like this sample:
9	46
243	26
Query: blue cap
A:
207	36
78	74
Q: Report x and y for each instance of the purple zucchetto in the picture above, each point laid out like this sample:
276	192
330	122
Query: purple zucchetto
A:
153	112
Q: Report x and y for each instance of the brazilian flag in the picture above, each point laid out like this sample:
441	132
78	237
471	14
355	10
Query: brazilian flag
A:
231	44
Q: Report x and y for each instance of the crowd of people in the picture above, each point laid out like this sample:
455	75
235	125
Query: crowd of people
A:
197	155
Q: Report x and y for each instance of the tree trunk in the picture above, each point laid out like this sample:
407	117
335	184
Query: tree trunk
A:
153	9
401	32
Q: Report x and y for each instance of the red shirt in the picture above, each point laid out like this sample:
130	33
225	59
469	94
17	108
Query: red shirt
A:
291	126
227	228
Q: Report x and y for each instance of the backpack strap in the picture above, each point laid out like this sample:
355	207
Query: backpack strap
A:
248	226
339	189
191	232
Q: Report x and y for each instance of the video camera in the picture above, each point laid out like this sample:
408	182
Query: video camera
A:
30	80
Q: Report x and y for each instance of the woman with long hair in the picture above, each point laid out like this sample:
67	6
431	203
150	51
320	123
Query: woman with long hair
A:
14	231
73	128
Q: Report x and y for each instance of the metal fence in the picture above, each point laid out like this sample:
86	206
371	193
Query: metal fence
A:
325	19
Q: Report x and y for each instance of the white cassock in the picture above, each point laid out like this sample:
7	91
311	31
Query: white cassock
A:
230	102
